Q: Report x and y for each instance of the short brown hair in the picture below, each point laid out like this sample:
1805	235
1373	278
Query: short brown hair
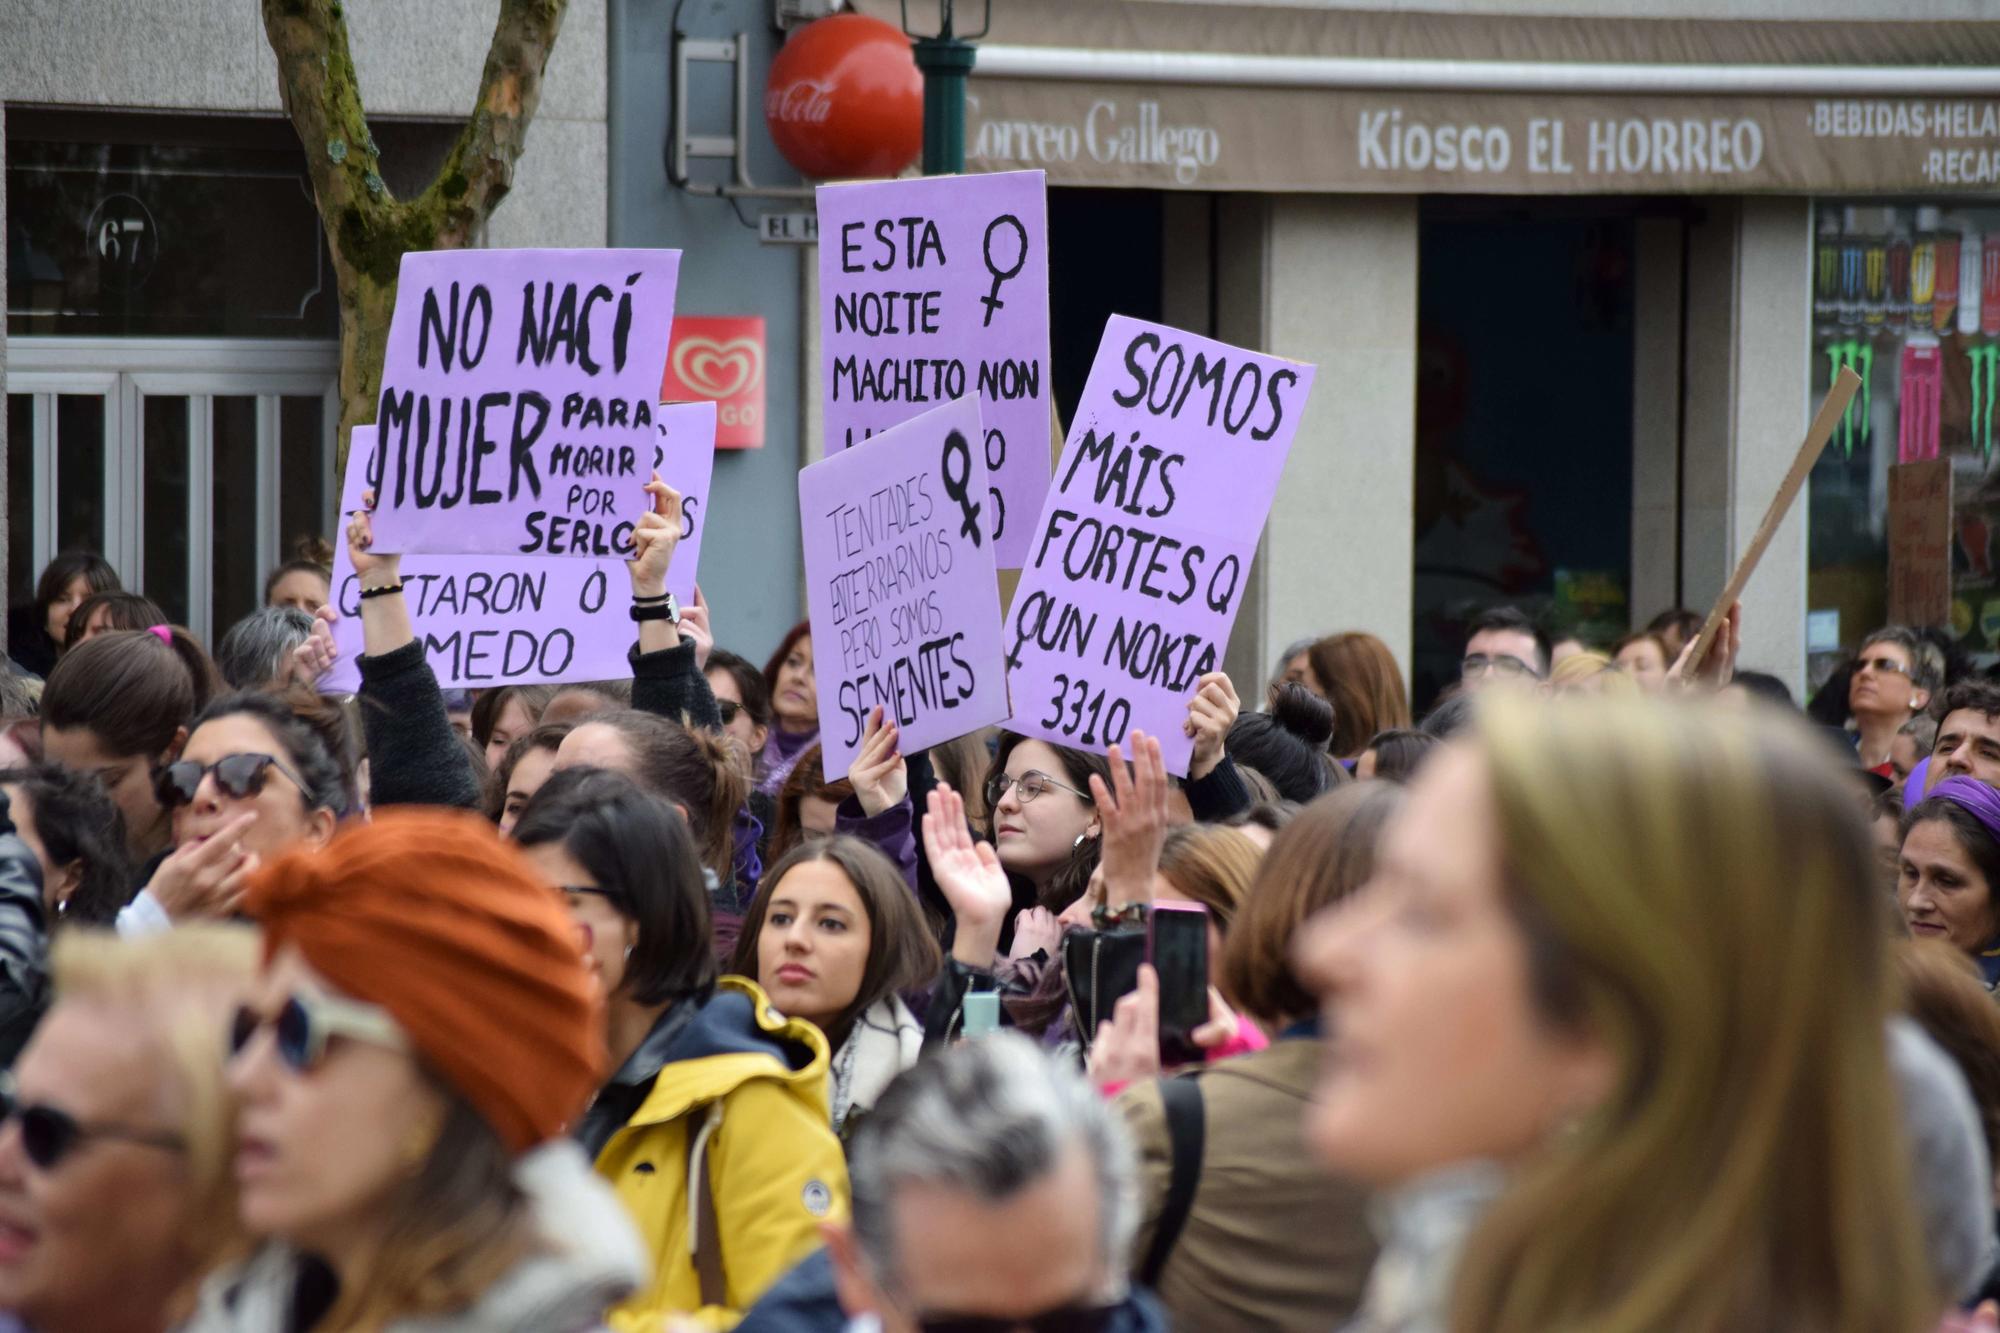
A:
1321	857
1210	865
1365	687
902	953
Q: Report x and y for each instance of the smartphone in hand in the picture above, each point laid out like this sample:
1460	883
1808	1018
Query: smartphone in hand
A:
1177	947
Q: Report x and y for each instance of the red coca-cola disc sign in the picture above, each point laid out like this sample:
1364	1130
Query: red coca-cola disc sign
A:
845	99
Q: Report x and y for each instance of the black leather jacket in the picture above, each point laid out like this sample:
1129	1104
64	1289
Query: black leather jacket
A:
24	941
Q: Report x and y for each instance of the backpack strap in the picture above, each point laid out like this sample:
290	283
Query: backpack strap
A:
1187	1131
704	1232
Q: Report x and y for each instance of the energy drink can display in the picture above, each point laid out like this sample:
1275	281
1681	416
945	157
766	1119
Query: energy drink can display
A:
1989	286
1923	269
1826	272
1853	270
1918	427
1944	308
1874	280
1899	277
1971	281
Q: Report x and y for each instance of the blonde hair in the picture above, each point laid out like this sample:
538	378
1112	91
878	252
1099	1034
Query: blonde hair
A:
1590	672
1687	883
178	989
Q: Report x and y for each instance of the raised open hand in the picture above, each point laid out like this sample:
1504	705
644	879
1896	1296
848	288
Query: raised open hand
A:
1133	810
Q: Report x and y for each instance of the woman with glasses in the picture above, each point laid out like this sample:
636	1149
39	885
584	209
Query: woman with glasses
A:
835	937
1895	676
714	1127
258	777
1045	826
744	701
115	1185
421	1033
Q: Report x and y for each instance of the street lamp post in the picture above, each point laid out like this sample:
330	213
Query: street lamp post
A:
946	58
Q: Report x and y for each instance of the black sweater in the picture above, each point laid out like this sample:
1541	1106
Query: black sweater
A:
414	758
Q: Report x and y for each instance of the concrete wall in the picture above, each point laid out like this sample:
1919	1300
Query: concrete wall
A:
750	558
1333	281
418	58
1749	358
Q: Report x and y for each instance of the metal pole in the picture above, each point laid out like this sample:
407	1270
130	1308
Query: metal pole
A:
946	60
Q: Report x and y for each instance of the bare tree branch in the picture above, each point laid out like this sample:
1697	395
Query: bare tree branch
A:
368	230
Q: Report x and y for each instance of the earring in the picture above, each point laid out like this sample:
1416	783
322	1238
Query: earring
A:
417	1145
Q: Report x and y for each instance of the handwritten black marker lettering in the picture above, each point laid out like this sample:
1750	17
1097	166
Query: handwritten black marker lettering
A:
992	300
956	449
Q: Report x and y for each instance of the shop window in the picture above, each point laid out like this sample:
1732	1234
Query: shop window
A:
1907	294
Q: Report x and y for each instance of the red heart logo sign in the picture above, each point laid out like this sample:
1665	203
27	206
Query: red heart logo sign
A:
719	369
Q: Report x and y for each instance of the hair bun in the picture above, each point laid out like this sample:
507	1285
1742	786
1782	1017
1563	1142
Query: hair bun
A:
1304	714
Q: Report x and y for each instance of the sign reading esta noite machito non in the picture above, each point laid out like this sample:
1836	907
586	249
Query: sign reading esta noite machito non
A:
1137	567
526	619
901	585
935	289
518	400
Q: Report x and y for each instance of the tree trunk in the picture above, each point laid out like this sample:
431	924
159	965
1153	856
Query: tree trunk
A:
368	230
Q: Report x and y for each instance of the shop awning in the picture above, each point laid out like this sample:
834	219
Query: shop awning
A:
1170	94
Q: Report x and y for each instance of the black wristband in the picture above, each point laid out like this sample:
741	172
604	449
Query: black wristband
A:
657	611
637	600
386	590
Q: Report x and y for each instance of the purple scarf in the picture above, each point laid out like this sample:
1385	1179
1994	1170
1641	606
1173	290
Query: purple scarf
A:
1975	798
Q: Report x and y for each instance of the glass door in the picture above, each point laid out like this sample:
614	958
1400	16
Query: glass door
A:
195	467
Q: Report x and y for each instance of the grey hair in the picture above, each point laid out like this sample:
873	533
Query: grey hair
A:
255	649
989	1117
1292	650
1926	660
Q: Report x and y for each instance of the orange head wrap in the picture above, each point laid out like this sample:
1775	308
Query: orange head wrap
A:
431	916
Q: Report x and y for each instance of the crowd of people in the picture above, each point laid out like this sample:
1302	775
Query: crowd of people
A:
1615	991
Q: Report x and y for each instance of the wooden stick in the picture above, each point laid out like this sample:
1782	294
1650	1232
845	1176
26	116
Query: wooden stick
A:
1830	412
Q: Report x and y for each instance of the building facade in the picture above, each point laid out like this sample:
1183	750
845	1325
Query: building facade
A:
1574	281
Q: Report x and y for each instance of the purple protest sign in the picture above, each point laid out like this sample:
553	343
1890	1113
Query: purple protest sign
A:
518	400
526	620
933	289
901	585
1137	566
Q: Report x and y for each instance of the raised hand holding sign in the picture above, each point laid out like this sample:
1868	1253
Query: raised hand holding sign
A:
902	589
518	403
1138	564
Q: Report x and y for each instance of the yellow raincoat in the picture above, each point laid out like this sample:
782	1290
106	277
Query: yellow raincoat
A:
738	1093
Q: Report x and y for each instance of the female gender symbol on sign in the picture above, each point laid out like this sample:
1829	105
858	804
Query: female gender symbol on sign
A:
955	447
992	300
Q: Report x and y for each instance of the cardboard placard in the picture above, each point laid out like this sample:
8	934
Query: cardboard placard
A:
525	620
933	289
1920	543
901	585
518	400
1138	564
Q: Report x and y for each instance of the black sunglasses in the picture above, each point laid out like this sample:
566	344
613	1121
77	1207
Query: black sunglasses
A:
240	776
1068	1319
49	1135
729	708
